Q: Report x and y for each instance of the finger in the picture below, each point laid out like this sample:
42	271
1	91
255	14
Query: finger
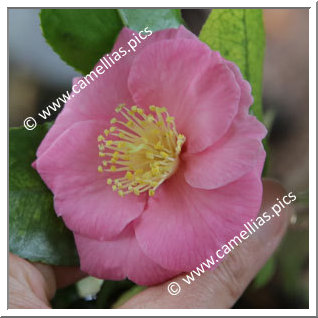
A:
27	286
32	285
222	287
63	275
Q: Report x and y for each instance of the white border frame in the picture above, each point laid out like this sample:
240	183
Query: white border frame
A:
312	163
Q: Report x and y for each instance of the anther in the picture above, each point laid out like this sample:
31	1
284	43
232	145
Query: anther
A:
145	152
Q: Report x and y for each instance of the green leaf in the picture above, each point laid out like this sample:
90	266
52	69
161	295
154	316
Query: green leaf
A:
266	273
293	258
111	291
128	295
238	34
82	36
303	197
35	232
154	19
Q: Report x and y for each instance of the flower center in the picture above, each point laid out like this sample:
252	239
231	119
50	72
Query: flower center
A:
140	150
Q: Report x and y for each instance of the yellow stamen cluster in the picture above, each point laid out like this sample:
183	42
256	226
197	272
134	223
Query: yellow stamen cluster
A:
139	151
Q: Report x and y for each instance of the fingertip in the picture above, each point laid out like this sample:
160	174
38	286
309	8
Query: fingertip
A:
279	212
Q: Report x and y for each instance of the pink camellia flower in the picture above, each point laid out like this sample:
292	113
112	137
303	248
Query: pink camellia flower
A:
156	164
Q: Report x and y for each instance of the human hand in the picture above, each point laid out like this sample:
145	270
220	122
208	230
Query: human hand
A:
32	285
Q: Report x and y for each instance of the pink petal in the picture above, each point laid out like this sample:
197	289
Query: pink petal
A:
230	158
246	99
118	259
193	83
182	226
63	121
99	99
81	195
236	203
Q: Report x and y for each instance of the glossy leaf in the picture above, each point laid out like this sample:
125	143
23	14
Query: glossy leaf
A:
35	232
238	34
82	36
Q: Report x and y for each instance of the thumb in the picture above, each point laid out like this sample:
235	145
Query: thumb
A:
222	287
